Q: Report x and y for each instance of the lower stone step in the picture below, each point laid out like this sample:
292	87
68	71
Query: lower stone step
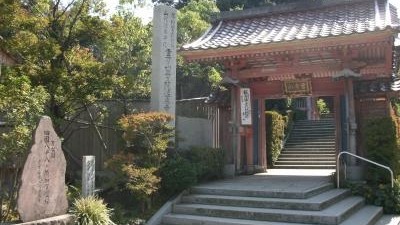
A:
315	203
332	215
299	194
180	219
368	215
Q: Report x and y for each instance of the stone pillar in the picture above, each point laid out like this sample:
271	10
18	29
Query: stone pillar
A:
309	108
352	125
163	75
230	167
88	175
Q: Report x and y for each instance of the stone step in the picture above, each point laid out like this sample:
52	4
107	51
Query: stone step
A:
294	156
309	145
312	136
388	220
299	146
327	150
307	157
181	219
305	162
326	128
368	215
317	125
305	154
329	120
315	203
263	193
305	167
313	130
310	142
334	214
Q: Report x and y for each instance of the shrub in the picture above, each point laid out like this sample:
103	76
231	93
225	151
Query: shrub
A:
395	102
91	210
208	162
141	182
379	194
177	174
322	107
276	124
148	135
381	146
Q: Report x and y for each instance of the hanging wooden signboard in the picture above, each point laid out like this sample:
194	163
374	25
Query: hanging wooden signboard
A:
245	106
297	87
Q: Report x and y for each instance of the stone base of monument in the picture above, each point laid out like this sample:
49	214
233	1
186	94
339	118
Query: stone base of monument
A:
66	219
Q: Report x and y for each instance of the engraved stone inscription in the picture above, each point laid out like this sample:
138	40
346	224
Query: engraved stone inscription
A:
43	193
163	78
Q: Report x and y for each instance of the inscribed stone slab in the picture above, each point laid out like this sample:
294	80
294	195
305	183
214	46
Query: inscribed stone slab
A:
163	75
43	192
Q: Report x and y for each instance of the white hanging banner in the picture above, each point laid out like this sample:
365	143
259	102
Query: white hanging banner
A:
245	106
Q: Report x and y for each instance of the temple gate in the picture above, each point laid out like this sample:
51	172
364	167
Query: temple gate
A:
343	49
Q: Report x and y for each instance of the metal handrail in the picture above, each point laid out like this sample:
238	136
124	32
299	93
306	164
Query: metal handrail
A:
359	157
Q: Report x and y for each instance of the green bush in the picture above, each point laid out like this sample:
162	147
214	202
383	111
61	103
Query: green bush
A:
208	162
91	210
322	107
379	194
396	105
276	124
140	182
177	174
148	136
381	146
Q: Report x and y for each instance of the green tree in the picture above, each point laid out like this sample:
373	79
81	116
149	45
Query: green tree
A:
21	104
56	47
126	52
66	53
194	79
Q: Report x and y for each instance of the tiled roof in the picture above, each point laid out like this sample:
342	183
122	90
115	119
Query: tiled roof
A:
326	19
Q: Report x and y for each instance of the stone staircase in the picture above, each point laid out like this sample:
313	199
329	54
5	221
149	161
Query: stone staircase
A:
311	145
290	200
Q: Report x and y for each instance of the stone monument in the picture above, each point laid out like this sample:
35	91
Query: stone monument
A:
163	75
88	175
43	192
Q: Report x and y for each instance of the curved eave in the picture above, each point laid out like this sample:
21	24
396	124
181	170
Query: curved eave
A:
310	44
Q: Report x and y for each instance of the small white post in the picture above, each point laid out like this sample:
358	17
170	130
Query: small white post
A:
88	175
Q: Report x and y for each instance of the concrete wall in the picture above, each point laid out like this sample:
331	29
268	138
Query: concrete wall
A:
193	131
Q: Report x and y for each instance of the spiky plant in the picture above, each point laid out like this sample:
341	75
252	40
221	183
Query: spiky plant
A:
91	211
